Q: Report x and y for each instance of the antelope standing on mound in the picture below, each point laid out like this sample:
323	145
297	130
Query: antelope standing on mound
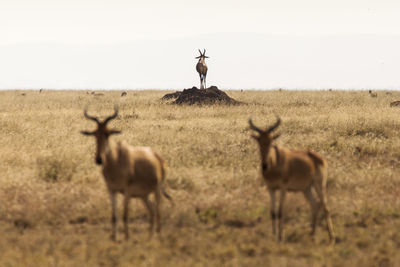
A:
201	68
133	171
292	170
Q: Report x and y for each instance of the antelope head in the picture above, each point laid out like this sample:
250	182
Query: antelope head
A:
264	139
101	133
202	56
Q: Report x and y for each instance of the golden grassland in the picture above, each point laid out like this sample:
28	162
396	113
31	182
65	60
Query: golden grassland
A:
54	209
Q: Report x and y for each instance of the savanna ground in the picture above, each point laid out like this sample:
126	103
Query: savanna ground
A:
54	209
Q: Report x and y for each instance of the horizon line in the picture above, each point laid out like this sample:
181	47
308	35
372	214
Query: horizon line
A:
226	89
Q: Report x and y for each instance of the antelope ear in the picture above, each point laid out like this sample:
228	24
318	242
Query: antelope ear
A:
254	136
110	132
276	136
87	133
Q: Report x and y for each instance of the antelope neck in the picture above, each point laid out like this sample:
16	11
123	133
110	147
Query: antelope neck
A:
276	153
109	153
267	155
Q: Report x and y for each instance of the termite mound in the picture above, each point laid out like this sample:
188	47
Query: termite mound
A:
195	96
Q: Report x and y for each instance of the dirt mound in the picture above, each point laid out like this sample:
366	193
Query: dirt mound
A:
171	96
208	96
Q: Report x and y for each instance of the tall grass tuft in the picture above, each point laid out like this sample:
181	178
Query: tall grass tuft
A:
54	168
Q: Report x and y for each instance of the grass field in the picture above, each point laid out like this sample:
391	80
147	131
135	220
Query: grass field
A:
54	209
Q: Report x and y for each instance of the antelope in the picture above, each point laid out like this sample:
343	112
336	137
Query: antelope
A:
395	103
123	94
201	68
289	170
136	172
373	93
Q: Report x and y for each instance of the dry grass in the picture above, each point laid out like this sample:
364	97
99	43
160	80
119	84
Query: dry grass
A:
54	210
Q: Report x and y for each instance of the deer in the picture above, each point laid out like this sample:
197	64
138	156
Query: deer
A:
289	170
136	172
201	68
373	93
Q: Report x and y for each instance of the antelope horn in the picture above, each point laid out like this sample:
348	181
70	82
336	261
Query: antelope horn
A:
200	52
90	117
112	116
253	127
277	123
204	52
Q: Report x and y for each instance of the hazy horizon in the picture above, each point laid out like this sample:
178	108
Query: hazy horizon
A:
153	45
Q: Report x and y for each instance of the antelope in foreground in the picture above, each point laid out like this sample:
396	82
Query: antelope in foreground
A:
133	171
292	170
201	68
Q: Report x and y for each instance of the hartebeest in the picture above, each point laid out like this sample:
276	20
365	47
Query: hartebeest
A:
201	68
292	170
132	171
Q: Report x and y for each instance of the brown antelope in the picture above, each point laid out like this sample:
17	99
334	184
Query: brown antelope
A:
292	170
395	103
373	93
133	171
201	68
123	94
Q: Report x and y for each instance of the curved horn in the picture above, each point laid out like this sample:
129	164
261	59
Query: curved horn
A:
253	127
277	123
200	52
204	52
90	117
113	116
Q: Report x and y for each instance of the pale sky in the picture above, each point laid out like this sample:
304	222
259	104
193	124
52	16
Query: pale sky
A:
46	43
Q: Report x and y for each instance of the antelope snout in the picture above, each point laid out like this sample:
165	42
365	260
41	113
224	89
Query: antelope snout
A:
98	161
264	166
